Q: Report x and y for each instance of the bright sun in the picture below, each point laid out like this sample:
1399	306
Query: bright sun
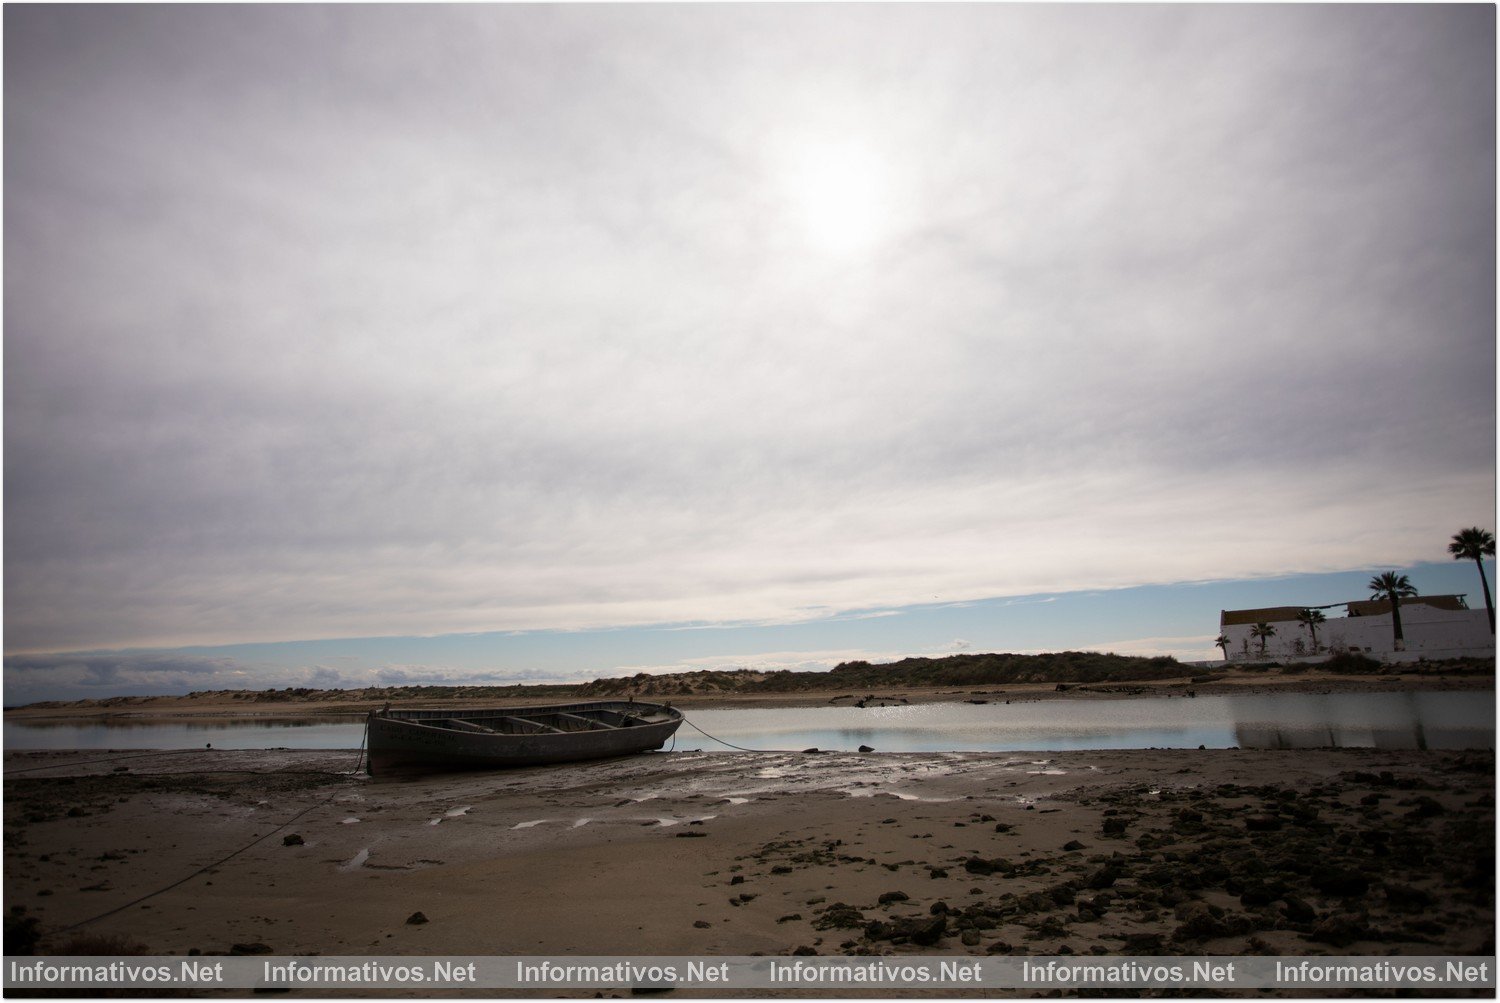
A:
838	195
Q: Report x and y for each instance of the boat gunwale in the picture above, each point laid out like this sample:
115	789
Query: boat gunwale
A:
427	718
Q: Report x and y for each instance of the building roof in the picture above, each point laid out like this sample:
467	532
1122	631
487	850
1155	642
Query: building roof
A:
1365	607
1274	614
1375	607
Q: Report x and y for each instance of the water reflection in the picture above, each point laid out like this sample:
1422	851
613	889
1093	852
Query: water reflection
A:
1397	721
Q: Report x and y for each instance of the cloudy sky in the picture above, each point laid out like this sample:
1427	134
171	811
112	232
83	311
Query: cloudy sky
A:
330	323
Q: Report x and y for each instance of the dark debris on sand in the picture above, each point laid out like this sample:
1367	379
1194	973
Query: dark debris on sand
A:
1363	862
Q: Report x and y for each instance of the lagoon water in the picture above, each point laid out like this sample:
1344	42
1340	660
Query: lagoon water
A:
1452	720
323	732
1291	720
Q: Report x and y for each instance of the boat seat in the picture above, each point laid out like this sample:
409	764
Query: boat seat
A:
617	718
590	724
456	724
530	726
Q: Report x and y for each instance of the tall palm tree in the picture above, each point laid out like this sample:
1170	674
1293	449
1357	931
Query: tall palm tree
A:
1263	631
1475	545
1394	587
1223	642
1311	618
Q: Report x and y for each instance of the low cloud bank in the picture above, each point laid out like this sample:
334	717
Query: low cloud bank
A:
98	675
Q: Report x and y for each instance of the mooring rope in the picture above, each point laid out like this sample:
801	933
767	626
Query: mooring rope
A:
364	737
109	759
225	859
202	870
731	745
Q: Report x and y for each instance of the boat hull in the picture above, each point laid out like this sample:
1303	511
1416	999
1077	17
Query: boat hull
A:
425	741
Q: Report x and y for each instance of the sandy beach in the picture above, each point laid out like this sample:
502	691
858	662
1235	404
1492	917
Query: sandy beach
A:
1117	852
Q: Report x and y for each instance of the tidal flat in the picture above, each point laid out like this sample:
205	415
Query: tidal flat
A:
1137	852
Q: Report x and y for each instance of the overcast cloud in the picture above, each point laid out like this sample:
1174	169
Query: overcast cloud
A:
362	320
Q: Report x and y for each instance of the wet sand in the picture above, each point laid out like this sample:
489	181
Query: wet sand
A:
1120	852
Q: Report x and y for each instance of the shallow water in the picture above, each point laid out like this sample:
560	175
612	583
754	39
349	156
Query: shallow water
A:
1451	720
290	733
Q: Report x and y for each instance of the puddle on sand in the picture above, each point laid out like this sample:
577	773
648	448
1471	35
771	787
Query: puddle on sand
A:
357	861
349	821
917	797
450	813
737	800
581	823
1047	773
528	825
899	795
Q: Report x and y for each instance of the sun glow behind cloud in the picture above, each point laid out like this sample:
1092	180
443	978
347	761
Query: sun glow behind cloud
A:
840	195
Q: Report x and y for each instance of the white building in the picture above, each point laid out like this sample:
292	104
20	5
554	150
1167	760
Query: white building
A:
1433	627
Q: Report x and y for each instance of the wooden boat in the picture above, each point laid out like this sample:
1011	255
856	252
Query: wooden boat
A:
411	741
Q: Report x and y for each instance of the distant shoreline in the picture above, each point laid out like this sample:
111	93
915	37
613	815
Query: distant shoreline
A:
280	704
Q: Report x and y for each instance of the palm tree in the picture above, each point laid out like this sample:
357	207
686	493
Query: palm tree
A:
1223	642
1394	587
1475	545
1311	618
1263	631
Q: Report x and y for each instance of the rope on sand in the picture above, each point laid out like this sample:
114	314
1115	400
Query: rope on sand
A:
202	870
225	859
109	759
